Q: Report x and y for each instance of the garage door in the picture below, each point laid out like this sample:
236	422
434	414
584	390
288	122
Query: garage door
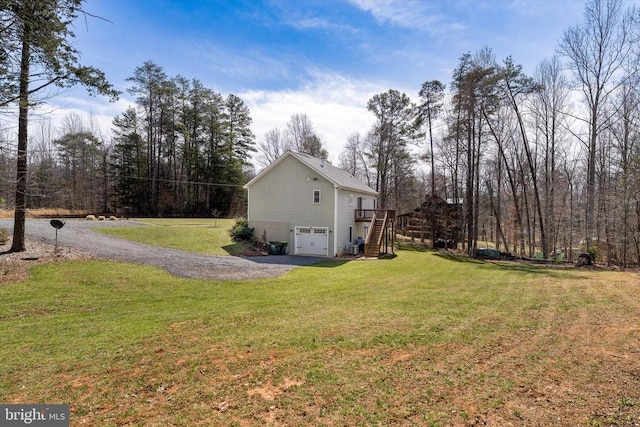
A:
312	241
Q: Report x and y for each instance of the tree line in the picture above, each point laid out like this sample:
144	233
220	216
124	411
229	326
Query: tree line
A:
182	149
545	164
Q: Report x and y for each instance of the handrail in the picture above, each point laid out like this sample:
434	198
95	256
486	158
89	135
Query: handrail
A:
368	243
370	231
384	225
387	220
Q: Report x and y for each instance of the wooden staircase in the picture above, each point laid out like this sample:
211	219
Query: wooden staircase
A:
375	236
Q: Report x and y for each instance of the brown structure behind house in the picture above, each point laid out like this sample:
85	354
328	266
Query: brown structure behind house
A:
435	219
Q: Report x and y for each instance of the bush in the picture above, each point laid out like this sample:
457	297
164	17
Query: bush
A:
241	231
4	236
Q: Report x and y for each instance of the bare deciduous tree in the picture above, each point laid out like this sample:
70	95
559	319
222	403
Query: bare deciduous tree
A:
272	147
302	138
549	108
597	52
352	159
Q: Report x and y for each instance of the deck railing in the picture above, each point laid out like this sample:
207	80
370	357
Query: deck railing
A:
366	215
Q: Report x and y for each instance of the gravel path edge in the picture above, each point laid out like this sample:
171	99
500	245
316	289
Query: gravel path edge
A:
78	235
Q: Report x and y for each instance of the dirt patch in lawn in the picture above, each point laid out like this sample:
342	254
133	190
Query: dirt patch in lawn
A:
14	266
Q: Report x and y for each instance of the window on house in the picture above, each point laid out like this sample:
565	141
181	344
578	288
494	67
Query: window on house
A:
351	199
316	197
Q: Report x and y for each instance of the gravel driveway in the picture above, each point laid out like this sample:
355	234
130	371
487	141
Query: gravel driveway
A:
79	234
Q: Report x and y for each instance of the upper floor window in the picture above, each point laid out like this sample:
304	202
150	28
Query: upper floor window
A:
351	199
316	197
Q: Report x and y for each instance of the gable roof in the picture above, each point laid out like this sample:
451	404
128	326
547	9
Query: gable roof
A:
339	177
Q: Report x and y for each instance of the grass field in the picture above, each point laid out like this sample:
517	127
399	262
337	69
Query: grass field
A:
423	339
201	235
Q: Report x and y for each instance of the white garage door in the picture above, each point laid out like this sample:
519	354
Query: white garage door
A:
312	241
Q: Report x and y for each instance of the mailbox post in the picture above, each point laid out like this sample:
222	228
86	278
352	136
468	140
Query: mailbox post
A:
57	224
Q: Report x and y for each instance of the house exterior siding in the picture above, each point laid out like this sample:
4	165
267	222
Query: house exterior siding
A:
281	198
346	218
287	192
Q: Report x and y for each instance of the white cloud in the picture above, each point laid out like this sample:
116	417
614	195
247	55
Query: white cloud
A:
247	64
96	113
548	10
336	105
413	14
318	24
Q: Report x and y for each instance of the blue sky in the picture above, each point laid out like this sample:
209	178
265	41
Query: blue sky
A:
324	58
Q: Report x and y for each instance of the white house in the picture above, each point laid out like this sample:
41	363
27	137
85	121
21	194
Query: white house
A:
317	208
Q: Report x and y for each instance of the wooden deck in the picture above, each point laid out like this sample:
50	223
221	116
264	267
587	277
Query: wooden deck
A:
381	235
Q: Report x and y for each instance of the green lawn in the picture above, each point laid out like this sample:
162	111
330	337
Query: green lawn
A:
200	235
422	339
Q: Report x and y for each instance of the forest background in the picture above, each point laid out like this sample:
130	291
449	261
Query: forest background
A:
544	163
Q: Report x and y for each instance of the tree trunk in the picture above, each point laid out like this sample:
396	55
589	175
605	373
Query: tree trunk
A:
476	199
532	171
591	179
433	182
498	207
495	206
469	184
18	244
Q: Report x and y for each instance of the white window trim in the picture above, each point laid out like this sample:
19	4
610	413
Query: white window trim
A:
314	197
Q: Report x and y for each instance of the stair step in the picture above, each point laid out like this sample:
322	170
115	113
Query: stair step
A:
372	249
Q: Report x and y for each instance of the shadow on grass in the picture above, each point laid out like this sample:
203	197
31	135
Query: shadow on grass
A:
458	258
233	249
514	266
297	261
414	247
330	263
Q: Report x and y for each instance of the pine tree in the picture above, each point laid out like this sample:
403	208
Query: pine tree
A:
36	52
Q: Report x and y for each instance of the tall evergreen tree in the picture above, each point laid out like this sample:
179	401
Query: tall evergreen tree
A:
149	86
128	164
239	144
474	101
36	52
79	153
515	84
431	95
395	127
